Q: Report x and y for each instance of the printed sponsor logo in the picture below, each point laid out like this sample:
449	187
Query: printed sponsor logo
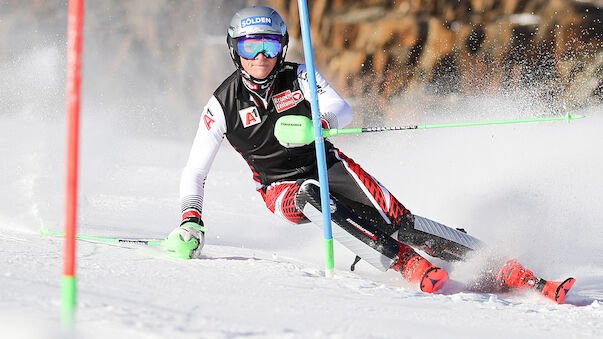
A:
250	116
208	119
256	20
134	241
250	84
285	100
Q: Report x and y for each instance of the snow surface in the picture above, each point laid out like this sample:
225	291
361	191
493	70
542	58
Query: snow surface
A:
530	190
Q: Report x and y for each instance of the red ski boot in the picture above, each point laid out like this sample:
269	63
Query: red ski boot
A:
417	269
513	275
556	290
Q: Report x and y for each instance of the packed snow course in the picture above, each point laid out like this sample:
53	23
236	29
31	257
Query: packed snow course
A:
530	190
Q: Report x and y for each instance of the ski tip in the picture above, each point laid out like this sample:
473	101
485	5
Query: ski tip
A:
557	290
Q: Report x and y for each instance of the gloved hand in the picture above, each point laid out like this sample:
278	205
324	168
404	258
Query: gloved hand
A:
187	240
328	120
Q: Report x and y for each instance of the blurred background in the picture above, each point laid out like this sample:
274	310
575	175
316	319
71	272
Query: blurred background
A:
160	60
386	49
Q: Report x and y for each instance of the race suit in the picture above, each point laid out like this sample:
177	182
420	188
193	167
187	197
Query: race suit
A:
247	121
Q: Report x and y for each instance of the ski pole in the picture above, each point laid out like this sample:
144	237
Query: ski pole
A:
150	242
297	129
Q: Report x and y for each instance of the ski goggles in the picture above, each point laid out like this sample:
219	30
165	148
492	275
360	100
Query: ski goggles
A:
250	46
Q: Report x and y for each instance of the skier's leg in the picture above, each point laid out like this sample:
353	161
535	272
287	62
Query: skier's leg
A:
368	199
366	195
355	225
368	241
280	200
361	191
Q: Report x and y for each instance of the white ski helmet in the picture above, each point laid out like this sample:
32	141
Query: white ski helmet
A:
257	20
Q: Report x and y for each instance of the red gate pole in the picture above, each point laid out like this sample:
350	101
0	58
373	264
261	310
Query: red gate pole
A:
74	48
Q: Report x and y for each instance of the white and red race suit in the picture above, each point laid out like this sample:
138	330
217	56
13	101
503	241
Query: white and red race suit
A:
247	120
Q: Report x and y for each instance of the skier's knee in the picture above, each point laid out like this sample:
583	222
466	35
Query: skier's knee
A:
280	200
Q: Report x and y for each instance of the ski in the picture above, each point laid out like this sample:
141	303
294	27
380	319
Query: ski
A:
555	290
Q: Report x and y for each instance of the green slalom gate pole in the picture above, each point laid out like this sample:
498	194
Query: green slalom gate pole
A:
295	129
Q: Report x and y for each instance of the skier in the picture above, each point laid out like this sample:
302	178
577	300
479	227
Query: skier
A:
367	218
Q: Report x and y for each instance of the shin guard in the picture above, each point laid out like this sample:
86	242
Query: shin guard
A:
358	235
439	240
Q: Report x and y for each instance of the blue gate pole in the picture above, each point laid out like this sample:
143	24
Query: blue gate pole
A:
318	138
